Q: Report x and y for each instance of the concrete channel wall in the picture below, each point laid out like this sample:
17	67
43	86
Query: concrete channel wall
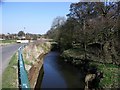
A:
33	55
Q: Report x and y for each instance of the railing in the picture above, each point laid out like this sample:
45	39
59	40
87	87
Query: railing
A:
22	73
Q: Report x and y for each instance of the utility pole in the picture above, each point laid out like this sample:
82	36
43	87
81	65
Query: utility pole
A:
24	31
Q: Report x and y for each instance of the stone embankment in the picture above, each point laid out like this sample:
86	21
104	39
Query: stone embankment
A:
33	55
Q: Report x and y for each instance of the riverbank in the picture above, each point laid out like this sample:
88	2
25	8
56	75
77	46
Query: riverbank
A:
111	71
111	75
33	55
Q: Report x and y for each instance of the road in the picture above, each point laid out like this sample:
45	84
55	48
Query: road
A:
6	53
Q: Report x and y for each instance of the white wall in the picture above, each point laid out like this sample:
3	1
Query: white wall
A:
22	41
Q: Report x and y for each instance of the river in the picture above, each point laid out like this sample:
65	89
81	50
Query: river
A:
58	74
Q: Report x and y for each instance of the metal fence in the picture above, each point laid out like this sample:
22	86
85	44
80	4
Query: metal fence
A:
22	73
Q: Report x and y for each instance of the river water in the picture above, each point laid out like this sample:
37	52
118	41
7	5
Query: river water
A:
58	74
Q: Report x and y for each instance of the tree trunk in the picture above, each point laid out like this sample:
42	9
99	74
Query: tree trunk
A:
84	39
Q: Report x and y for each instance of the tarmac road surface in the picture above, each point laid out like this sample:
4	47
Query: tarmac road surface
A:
6	52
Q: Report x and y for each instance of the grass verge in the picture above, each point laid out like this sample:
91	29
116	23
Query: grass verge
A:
8	41
9	76
111	75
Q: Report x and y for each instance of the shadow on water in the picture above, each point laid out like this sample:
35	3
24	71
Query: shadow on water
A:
58	74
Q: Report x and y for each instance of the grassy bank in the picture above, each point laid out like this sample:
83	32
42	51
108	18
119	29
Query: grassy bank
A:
111	75
8	41
111	72
9	77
